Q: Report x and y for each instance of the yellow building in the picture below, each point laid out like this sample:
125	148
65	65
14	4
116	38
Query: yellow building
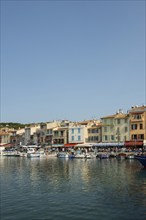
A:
137	116
115	128
5	137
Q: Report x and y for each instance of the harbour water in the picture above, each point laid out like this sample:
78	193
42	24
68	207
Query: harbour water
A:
74	189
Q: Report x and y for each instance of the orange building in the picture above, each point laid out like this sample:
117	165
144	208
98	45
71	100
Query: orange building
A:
137	116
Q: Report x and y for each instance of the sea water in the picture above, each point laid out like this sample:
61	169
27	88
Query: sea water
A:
71	189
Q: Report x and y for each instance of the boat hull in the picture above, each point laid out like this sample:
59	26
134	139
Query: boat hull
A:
142	160
33	155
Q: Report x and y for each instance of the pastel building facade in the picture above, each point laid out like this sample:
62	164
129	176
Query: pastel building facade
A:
137	117
94	131
115	128
5	137
57	132
77	133
29	137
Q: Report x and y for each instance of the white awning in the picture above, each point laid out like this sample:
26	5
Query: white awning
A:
109	144
85	145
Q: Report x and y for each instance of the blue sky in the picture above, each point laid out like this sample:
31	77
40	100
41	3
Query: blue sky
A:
71	60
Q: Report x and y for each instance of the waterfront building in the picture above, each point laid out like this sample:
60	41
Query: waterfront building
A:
115	128
5	137
77	133
57	133
94	129
17	137
129	129
29	134
137	117
60	136
40	134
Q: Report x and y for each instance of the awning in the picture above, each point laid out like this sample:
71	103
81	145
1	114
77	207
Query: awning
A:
57	145
109	144
85	145
70	145
7	145
133	143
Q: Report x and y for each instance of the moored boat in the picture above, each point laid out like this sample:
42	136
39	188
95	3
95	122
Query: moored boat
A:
32	152
62	155
121	156
10	153
23	154
32	155
130	156
88	156
51	154
80	155
141	159
103	156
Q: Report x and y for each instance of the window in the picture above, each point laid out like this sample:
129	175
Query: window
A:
118	130
49	131
134	137
118	121
72	138
105	137
141	136
79	138
138	116
92	138
133	126
79	130
112	137
126	120
95	138
141	126
72	130
105	129
126	129
97	130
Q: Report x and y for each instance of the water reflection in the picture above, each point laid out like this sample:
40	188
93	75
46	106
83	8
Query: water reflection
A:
116	186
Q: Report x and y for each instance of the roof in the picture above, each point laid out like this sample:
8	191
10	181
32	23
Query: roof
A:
121	115
88	121
59	128
116	116
109	116
137	109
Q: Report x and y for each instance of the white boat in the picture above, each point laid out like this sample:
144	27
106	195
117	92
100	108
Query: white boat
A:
51	154
62	155
32	155
80	155
104	156
42	154
10	153
22	154
130	156
88	156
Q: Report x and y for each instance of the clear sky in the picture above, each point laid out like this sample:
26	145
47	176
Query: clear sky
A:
71	60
